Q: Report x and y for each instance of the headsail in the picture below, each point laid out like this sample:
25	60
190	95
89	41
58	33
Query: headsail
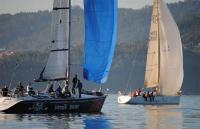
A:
100	38
171	65
57	64
152	64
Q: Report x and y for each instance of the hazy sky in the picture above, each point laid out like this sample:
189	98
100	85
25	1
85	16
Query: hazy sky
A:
15	6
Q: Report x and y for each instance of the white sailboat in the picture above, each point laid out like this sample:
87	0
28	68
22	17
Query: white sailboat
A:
164	66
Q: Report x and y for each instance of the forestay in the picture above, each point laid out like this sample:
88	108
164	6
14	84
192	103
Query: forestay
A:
100	38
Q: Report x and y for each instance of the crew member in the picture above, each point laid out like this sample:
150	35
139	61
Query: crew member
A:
75	82
5	91
79	88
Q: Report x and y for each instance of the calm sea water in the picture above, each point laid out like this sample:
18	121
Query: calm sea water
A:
114	116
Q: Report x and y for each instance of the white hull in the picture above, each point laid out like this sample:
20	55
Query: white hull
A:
124	99
7	102
158	100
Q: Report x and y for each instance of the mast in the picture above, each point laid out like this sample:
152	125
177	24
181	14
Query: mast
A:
158	21
69	44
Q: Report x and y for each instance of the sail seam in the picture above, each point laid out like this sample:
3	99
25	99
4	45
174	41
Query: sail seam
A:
60	8
55	50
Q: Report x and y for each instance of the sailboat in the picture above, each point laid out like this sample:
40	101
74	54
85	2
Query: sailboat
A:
58	63
164	65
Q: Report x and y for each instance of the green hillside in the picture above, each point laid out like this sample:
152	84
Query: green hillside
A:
31	31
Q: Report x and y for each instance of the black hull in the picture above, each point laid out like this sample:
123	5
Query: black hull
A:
89	105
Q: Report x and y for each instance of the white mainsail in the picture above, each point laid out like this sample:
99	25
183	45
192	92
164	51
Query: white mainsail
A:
57	64
164	66
152	64
171	57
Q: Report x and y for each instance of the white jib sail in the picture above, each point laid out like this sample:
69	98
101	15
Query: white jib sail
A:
171	57
152	68
57	64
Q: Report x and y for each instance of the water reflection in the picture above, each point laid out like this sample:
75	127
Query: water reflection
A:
17	117
59	121
164	117
114	116
54	121
97	123
43	121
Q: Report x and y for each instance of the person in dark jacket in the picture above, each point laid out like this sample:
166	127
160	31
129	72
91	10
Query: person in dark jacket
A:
50	89
74	82
79	88
59	91
21	89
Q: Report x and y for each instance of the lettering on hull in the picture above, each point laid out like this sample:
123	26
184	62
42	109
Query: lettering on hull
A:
39	106
63	107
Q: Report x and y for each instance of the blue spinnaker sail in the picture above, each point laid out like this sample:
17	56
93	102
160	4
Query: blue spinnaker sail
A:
100	38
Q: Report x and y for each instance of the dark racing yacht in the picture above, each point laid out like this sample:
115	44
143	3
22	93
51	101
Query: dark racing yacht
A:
58	66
